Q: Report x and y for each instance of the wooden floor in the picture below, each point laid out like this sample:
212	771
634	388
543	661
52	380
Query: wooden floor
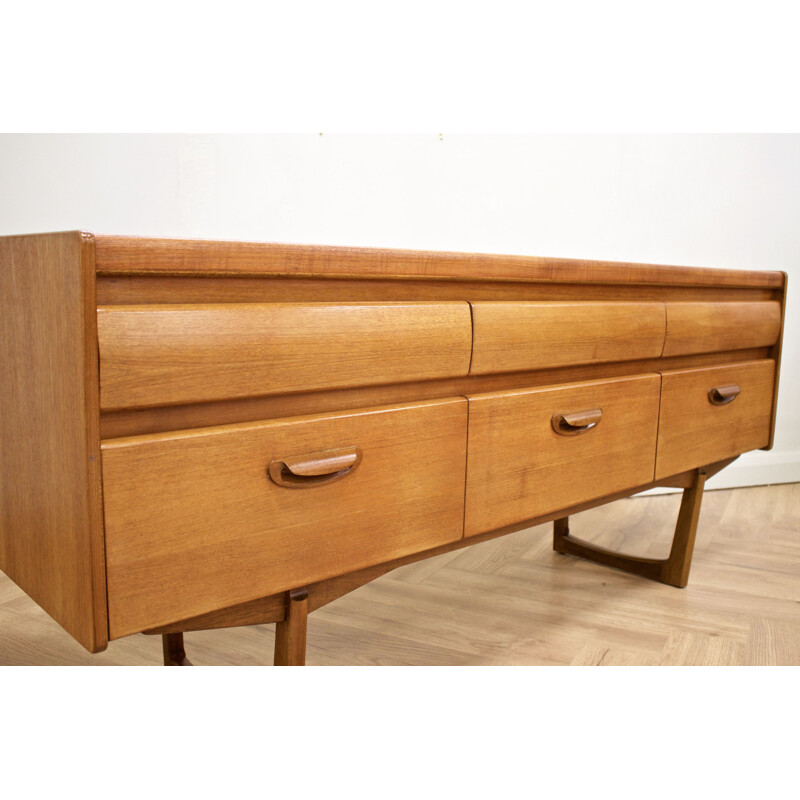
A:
514	601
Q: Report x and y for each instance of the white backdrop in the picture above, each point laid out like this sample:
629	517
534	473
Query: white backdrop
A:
699	200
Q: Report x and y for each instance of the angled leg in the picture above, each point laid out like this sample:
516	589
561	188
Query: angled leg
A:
290	635
676	568
673	570
174	653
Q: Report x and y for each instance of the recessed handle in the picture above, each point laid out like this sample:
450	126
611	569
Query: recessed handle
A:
722	395
572	424
314	469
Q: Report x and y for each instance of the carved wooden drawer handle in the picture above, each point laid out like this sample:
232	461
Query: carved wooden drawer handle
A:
572	424
314	469
721	395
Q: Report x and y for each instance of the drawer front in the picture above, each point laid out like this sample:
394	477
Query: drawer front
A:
205	519
519	466
172	354
711	414
511	336
717	327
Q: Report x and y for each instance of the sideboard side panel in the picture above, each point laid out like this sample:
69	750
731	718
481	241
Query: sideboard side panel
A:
51	535
775	355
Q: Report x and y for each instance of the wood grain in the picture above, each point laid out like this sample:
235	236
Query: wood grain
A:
174	651
713	327
518	468
163	355
512	600
773	642
215	531
51	532
254	612
693	431
157	289
509	336
116	424
210	333
126	255
290	632
673	570
775	354
273	608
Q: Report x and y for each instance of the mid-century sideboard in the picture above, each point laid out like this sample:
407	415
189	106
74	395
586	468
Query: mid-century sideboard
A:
202	434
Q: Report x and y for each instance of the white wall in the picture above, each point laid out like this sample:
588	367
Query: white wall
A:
702	200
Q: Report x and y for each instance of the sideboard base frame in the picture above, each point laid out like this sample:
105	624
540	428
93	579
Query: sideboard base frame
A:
290	610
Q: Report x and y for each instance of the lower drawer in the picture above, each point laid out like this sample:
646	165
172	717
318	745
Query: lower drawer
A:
715	413
204	519
536	451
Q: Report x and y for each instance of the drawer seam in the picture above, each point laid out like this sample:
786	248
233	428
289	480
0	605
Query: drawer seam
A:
466	467
472	336
658	420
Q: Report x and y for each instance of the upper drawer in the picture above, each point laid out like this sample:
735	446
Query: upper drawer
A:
171	354
511	336
714	327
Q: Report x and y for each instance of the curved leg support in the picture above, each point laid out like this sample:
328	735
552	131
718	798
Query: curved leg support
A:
174	653
673	570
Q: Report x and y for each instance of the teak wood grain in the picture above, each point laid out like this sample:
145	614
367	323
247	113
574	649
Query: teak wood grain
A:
273	608
128	255
51	531
673	570
290	632
278	420
162	355
511	337
775	354
195	287
713	327
512	600
692	430
255	612
132	422
215	530
519	468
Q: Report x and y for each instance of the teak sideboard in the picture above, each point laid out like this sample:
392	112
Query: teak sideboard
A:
202	434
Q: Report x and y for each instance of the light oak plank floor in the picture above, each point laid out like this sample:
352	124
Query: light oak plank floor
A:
514	601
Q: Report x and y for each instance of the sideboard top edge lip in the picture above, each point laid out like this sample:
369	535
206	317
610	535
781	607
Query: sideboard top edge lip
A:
149	256
142	255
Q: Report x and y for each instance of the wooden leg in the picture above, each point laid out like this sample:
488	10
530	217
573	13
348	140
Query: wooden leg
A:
174	653
677	566
673	570
290	635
